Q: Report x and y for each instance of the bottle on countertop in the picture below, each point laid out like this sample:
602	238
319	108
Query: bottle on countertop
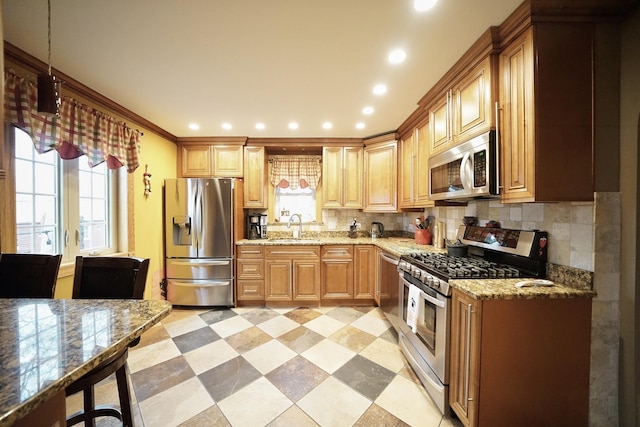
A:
352	229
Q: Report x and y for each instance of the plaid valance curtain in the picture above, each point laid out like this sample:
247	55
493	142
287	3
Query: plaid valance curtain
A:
295	171
79	130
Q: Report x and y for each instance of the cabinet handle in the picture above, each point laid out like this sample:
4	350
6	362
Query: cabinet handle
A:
497	150
467	356
292	253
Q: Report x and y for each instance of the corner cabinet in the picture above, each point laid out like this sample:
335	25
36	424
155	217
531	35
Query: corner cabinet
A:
342	177
523	361
255	177
381	174
546	122
414	175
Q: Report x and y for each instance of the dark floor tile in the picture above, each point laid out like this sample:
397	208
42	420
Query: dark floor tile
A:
209	417
390	335
297	377
260	315
365	376
248	339
300	339
215	316
345	314
375	416
195	339
224	380
302	315
160	377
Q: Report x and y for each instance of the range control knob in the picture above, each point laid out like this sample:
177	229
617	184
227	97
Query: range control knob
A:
436	283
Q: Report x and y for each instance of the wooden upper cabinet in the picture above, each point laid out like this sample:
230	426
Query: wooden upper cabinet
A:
342	177
196	161
546	120
465	109
227	160
414	170
255	177
381	175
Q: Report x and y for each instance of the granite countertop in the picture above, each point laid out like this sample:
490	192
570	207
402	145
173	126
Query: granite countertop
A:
49	343
565	285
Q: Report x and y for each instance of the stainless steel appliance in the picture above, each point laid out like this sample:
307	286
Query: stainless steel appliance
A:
468	170
377	229
424	282
256	227
199	241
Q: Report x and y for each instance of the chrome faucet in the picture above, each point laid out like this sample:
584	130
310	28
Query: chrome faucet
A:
299	224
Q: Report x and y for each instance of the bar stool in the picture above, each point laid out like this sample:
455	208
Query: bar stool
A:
110	278
28	275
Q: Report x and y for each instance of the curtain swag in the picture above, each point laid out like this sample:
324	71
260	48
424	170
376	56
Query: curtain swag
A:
79	130
295	171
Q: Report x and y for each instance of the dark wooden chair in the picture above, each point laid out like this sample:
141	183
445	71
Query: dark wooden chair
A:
109	278
28	275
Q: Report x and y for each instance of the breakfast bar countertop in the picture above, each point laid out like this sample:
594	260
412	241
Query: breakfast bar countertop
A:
47	344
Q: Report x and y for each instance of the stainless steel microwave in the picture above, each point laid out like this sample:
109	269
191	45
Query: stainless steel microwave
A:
466	171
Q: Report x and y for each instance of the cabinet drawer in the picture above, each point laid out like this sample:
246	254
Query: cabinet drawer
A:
250	252
250	289
250	269
292	252
337	251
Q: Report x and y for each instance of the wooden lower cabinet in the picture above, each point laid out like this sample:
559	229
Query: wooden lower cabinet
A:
292	273
337	272
364	271
521	362
250	273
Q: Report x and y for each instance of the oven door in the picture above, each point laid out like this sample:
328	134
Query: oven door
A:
431	336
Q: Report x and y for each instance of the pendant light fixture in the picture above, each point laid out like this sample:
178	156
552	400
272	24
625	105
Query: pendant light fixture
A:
48	99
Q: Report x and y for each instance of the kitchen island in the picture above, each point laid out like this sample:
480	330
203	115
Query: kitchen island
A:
47	344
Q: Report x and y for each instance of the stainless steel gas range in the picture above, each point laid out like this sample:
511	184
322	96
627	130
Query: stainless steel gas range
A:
421	314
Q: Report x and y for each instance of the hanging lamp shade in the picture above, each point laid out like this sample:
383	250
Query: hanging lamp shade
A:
48	97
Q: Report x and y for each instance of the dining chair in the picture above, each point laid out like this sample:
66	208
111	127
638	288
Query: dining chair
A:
28	275
107	278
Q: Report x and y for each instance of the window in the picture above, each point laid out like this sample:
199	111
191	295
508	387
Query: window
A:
63	206
299	201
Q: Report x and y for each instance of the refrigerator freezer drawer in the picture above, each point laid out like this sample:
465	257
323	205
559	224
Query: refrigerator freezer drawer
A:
200	292
199	268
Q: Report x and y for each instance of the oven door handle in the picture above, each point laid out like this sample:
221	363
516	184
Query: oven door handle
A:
425	296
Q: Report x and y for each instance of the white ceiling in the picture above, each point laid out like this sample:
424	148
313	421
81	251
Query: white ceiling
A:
246	61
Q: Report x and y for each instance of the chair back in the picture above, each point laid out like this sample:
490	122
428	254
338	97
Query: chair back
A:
28	275
110	277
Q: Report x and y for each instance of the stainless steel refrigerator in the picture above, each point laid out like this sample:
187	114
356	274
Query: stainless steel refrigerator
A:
199	241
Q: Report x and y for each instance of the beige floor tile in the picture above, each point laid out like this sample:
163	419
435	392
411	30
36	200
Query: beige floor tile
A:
184	325
371	324
409	402
209	356
255	405
352	338
333	403
142	358
293	417
328	355
231	326
278	326
248	339
386	354
325	325
269	356
181	313
162	410
211	416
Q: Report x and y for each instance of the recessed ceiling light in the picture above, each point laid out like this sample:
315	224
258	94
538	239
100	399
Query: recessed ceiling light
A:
327	125
397	56
423	5
260	126
293	125
379	89
367	110
226	126
194	126
359	125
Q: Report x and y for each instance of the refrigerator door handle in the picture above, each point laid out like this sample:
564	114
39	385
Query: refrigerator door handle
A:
201	283
201	263
197	215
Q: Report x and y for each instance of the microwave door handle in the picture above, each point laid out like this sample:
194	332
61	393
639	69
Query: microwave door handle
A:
466	169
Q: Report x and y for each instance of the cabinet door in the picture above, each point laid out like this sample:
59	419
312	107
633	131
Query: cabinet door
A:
332	173
306	280
440	124
352	185
254	178
250	269
364	274
278	285
421	166
472	101
337	271
381	177
196	161
406	171
516	125
227	160
250	290
464	357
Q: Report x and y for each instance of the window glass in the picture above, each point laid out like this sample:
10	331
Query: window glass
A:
299	201
94	228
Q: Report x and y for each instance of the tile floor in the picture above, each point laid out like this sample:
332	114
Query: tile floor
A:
272	367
